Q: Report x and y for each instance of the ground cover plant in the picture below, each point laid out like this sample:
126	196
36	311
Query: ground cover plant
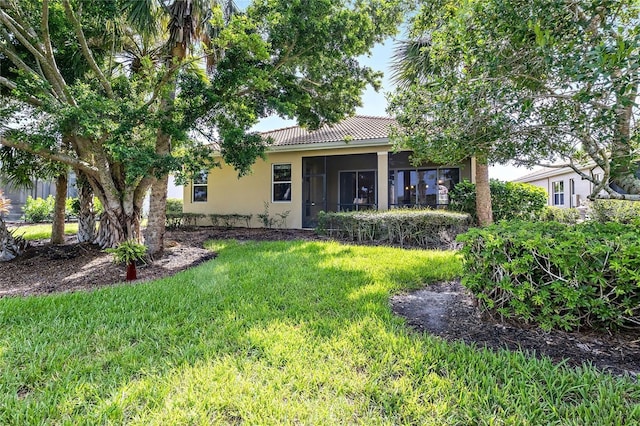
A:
277	333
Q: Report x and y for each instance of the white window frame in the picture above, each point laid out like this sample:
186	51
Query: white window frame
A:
557	195
281	182
205	185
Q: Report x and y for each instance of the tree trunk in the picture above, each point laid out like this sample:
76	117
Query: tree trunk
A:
116	227
57	227
483	193
154	232
86	215
10	247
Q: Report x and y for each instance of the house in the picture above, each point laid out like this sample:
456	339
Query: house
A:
565	187
345	167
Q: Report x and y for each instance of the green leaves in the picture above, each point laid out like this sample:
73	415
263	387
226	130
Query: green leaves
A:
554	275
533	81
509	200
128	252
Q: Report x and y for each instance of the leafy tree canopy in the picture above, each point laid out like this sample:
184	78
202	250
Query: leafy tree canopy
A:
536	81
119	90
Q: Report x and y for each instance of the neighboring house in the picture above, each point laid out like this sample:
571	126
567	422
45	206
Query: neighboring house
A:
565	187
345	167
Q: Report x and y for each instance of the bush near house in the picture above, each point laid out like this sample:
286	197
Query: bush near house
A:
509	200
174	205
38	210
558	214
556	275
621	211
421	228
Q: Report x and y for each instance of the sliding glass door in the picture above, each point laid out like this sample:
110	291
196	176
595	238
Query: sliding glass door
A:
357	190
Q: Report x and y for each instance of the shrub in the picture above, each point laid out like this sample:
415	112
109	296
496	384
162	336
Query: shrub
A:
509	200
421	228
558	214
621	211
174	205
72	206
38	210
556	275
230	220
128	252
182	220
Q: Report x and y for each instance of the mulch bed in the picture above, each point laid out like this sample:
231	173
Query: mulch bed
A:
446	310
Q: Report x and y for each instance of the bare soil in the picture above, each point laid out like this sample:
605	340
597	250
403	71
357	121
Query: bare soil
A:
446	309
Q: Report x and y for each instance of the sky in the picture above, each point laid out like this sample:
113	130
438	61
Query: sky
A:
375	104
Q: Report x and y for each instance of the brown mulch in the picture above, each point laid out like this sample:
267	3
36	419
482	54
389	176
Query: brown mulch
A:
446	310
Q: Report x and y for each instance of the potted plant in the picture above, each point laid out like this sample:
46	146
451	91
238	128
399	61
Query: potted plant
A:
128	253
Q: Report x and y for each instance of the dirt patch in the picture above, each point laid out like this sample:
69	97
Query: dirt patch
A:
446	309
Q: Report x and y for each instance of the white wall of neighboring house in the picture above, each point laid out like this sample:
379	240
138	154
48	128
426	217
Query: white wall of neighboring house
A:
173	190
565	188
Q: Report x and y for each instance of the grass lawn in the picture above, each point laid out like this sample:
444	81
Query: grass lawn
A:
277	333
41	231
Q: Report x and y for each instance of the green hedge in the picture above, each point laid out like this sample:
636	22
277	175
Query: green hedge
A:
174	206
418	228
509	200
556	275
38	210
559	214
621	211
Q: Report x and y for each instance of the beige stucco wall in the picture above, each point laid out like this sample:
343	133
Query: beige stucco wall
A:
228	194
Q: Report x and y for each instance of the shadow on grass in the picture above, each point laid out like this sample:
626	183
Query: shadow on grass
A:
271	333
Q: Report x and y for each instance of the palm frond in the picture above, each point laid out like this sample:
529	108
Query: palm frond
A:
411	62
143	15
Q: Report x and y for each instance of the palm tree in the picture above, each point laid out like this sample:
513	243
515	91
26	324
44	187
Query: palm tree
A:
10	245
412	65
188	24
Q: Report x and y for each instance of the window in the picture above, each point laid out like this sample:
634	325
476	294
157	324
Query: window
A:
558	193
281	182
597	177
422	187
200	187
447	179
357	190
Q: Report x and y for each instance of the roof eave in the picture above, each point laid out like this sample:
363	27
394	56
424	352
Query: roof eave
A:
546	174
329	145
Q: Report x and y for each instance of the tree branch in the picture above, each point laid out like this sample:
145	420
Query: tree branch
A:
51	155
53	75
86	52
15	59
30	99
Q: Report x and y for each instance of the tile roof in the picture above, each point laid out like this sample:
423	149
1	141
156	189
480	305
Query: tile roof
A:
356	128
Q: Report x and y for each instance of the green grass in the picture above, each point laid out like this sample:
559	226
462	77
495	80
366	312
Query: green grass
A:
277	333
41	231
